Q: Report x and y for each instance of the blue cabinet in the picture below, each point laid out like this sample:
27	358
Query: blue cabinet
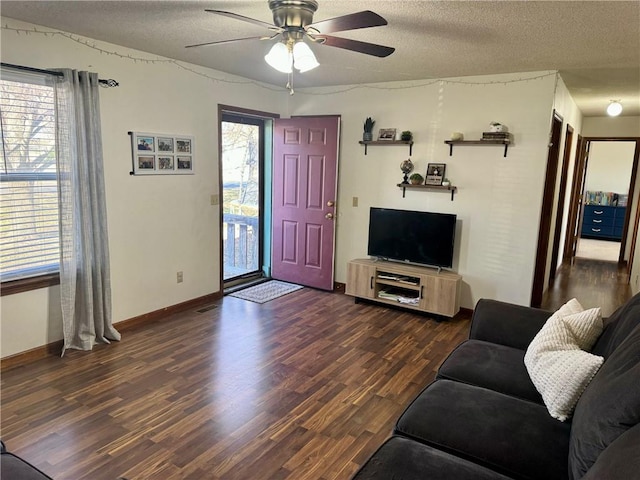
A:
603	221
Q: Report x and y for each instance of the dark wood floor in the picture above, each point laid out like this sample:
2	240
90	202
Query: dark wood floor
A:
595	283
304	387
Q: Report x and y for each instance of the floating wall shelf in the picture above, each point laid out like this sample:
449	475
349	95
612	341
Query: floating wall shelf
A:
451	143
387	143
432	188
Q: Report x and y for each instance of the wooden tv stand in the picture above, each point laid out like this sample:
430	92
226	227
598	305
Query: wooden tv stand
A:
417	288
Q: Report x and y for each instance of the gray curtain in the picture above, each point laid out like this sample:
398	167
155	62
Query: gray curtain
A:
85	287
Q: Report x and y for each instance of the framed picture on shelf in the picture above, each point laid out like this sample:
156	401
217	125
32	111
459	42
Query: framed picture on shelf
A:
435	173
161	154
387	134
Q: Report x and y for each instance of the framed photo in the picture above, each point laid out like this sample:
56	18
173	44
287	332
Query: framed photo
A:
387	134
145	143
435	173
165	163
161	154
146	162
184	163
183	145
165	144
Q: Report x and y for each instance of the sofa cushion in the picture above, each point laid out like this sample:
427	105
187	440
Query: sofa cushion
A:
617	327
492	366
515	437
558	366
15	468
401	458
620	460
609	406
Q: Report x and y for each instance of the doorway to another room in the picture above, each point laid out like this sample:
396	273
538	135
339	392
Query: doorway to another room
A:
245	143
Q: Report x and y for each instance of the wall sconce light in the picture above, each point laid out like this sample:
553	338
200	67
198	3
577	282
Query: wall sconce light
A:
614	109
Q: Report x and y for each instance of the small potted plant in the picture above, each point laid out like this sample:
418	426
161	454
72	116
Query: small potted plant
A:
416	179
367	136
406	136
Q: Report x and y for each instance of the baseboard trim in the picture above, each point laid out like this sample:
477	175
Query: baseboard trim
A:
54	348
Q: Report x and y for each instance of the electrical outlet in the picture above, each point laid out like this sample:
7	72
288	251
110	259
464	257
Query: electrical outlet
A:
215	199
355	201
637	280
179	277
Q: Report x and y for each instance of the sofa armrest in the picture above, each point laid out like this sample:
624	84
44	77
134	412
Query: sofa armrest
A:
506	323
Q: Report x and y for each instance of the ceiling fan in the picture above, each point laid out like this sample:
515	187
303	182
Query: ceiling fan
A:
293	22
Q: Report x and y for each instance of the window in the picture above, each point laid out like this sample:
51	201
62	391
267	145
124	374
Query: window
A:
29	227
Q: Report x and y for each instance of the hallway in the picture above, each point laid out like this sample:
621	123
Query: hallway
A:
594	283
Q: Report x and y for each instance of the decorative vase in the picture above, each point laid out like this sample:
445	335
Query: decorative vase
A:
446	183
367	136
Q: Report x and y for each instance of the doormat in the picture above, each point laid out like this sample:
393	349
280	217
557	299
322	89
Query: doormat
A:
266	292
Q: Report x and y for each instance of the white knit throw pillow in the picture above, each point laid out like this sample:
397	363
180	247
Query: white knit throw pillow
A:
556	359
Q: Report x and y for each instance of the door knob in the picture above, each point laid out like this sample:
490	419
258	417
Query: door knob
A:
330	203
329	215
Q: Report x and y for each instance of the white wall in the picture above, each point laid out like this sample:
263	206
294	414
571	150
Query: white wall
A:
609	166
157	224
571	116
499	199
611	127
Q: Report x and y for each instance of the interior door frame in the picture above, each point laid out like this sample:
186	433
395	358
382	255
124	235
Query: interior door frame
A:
546	212
576	205
237	111
575	201
566	158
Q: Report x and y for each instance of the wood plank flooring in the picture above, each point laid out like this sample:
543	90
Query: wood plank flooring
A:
595	283
304	387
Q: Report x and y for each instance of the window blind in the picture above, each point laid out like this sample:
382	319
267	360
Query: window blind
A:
29	226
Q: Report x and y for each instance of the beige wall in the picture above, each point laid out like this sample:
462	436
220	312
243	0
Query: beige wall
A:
611	127
159	225
499	199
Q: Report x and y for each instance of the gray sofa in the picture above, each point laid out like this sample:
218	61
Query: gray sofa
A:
482	418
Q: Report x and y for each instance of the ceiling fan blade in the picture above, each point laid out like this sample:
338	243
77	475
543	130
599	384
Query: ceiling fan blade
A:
241	17
355	45
228	41
353	21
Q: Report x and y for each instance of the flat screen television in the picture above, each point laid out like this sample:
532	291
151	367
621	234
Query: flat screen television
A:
424	238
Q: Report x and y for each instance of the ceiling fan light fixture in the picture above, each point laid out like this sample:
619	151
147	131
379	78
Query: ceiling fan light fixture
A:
614	109
303	57
280	58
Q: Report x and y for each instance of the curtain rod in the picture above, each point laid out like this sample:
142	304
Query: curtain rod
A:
106	83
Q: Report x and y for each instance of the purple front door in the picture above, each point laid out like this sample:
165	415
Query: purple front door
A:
305	165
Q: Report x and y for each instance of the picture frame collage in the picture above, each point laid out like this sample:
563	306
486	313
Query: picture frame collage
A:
160	154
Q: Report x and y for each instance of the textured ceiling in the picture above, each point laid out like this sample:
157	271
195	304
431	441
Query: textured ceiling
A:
594	44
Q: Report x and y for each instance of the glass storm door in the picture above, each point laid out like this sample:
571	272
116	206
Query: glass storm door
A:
242	205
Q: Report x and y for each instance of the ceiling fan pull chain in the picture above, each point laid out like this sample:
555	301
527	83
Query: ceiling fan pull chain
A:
290	82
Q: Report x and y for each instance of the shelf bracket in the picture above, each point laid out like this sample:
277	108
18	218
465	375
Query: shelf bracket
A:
506	147
365	148
450	149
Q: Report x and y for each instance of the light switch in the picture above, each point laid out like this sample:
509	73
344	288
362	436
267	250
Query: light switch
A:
355	201
215	199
